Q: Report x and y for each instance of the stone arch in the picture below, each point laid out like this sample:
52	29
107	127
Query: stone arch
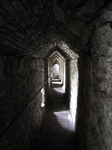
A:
71	86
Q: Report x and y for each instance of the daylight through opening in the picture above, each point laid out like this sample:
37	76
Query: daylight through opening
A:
63	81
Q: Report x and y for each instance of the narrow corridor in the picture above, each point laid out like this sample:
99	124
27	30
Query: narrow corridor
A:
56	132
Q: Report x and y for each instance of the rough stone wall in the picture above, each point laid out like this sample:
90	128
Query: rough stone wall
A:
73	87
20	79
94	119
27	25
83	105
32	27
68	82
100	118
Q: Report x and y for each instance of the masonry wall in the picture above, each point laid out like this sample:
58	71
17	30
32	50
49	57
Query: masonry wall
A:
74	83
83	105
20	79
100	119
94	119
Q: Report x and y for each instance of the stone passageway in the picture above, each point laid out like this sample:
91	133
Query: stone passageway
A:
56	132
35	37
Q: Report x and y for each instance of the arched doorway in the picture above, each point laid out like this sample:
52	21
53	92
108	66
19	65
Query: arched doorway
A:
63	83
57	73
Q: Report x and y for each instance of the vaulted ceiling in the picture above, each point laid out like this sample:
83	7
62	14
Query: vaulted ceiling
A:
28	27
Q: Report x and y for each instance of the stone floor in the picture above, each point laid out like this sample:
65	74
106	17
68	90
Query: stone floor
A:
57	129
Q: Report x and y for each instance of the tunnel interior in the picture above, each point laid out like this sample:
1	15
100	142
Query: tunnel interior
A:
63	85
77	36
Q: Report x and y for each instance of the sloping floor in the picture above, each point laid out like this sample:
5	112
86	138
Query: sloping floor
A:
57	131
